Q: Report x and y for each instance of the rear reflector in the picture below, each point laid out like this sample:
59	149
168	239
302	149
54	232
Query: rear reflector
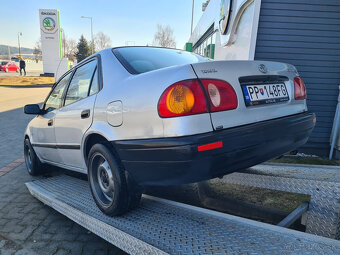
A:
210	146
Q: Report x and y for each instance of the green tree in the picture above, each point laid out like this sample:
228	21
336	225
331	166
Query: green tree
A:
83	49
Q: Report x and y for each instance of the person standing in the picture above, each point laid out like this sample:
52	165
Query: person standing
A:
22	65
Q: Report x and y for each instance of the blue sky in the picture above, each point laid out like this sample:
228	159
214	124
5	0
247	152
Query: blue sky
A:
122	20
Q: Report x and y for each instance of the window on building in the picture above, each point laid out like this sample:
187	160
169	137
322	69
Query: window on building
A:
207	47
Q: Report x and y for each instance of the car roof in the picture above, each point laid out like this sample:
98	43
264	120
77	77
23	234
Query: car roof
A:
119	47
141	46
110	50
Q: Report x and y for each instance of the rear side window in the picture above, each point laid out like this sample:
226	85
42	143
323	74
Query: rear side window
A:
144	59
80	83
95	83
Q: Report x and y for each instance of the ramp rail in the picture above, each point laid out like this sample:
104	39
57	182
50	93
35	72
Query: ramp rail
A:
321	183
161	226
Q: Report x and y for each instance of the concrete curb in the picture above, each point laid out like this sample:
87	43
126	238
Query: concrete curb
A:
11	166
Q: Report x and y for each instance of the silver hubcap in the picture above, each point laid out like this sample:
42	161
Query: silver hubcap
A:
102	180
28	157
105	180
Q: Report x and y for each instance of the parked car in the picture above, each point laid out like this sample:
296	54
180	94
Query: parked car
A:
8	66
135	116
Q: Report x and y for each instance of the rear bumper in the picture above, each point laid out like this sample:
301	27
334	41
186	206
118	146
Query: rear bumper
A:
176	160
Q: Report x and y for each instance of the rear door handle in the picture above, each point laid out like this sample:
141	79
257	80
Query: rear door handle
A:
50	122
85	114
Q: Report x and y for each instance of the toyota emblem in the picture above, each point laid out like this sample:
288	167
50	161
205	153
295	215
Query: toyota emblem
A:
262	68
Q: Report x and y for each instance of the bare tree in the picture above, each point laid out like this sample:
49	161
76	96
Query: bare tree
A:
102	41
164	37
69	46
70	49
37	49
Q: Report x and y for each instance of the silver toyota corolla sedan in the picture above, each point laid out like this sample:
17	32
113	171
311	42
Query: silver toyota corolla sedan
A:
135	116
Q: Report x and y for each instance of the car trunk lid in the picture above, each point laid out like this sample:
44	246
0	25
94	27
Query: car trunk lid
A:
254	83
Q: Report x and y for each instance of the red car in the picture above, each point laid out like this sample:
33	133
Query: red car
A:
8	66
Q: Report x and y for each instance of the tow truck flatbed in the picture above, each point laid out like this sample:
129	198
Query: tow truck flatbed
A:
161	226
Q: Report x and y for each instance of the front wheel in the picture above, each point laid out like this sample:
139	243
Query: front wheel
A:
108	182
33	164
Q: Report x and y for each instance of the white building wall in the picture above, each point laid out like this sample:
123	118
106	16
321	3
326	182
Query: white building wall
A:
240	40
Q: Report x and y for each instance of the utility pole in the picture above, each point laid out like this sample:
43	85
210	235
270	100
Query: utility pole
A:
9	53
19	34
192	15
92	42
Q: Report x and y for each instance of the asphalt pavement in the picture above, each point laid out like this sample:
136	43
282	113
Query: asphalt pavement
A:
2	74
13	121
26	225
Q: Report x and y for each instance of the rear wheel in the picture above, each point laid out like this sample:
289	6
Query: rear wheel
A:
108	183
33	164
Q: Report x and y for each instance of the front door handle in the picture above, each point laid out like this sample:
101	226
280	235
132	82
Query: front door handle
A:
85	114
50	122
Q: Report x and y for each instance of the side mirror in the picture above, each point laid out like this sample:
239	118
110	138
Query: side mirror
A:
32	109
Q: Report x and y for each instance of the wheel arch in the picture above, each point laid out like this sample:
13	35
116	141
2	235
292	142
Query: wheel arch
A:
92	139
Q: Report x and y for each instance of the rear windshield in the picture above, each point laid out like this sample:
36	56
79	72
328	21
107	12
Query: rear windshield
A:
144	59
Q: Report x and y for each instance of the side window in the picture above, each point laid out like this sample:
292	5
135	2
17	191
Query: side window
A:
80	83
54	100
95	83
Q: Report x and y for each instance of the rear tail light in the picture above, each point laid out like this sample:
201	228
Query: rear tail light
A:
299	89
182	98
188	98
222	96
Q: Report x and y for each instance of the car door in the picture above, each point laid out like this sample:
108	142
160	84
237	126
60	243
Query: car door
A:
42	127
15	67
12	67
75	117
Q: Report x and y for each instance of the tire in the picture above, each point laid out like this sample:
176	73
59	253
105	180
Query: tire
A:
108	182
17	70
33	164
135	192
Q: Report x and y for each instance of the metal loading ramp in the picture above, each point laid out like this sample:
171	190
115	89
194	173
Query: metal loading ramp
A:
161	226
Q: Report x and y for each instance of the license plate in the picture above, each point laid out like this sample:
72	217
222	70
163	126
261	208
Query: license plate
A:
265	94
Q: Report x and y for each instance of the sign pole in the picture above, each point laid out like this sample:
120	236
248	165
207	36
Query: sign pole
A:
19	43
192	15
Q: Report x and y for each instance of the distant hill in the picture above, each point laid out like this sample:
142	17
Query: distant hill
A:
14	50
